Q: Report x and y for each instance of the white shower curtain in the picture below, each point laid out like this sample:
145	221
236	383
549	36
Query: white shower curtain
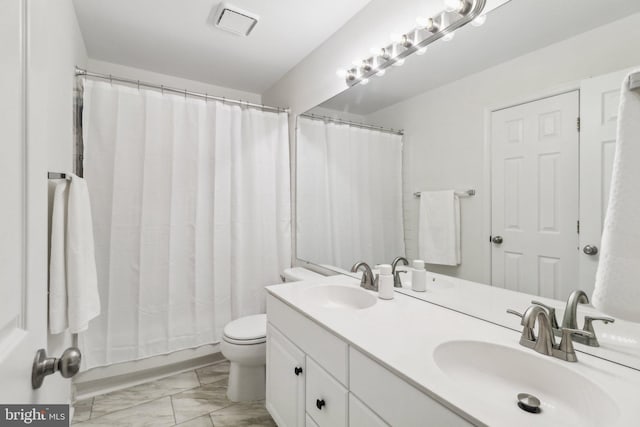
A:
349	194
191	214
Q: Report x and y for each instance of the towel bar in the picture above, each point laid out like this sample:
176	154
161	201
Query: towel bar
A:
467	193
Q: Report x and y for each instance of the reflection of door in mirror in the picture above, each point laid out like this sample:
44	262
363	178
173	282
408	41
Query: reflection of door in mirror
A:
599	102
535	196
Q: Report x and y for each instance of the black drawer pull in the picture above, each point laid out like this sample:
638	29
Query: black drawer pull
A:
297	370
320	403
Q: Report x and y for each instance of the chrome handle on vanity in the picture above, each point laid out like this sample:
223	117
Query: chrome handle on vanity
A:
551	311
68	365
497	240
590	250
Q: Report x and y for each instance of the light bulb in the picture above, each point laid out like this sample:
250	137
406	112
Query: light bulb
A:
381	73
479	21
421	51
453	5
364	81
449	37
342	73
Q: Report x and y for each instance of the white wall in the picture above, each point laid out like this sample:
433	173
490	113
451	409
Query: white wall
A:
167	80
314	79
55	47
444	128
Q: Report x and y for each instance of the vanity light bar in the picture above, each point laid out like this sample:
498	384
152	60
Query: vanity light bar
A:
457	13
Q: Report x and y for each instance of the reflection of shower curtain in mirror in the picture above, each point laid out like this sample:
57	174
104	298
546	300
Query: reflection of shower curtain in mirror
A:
191	209
349	194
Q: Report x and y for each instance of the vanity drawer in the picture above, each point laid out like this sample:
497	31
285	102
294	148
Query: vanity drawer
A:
324	347
393	399
361	416
326	399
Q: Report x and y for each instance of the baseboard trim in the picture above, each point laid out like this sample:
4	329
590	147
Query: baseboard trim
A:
91	388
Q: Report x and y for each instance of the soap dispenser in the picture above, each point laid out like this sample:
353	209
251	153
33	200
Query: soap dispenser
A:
418	276
385	282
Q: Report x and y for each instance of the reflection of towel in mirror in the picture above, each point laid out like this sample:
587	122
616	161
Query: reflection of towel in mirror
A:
73	286
439	227
617	290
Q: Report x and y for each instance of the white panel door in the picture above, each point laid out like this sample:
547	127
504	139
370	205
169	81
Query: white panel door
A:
599	101
534	209
23	308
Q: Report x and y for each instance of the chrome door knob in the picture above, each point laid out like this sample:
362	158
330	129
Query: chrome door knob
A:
68	365
590	250
497	240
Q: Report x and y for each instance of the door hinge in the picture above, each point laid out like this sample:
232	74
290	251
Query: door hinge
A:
578	124
578	226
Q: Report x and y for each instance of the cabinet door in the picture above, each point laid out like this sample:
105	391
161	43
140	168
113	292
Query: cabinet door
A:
361	416
327	400
285	380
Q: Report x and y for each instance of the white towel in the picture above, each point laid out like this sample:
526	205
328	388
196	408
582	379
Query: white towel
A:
57	267
74	298
439	227
617	290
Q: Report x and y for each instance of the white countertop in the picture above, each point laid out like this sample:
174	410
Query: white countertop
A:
619	341
403	333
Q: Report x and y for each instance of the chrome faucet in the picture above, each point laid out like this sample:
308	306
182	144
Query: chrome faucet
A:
397	282
571	310
545	342
368	281
570	319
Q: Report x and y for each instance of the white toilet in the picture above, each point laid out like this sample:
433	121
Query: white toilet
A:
244	344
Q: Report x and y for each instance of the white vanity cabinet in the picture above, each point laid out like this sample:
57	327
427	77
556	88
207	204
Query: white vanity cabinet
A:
336	385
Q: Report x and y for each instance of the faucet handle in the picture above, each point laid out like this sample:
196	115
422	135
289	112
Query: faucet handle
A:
510	311
566	342
588	322
552	313
527	332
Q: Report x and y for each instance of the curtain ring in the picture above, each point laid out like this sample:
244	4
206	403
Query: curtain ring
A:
111	79
138	85
185	94
162	89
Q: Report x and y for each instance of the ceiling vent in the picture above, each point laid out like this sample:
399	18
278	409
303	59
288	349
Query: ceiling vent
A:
234	20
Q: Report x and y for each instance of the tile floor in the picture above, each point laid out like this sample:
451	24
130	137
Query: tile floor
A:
190	399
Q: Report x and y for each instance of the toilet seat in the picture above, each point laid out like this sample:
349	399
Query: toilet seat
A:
245	342
248	330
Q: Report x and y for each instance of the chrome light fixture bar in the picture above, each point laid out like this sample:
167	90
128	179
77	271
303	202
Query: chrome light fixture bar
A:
457	14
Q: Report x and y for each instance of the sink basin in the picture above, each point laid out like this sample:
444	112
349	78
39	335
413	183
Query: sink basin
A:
494	375
340	297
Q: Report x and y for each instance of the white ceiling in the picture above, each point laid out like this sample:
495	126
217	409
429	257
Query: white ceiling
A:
514	29
175	37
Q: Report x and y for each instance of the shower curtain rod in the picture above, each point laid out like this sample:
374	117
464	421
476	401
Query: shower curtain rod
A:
354	124
84	73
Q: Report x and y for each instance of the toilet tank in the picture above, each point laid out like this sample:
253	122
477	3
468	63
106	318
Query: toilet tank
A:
297	274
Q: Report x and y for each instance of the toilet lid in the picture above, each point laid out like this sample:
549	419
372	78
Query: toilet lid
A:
247	328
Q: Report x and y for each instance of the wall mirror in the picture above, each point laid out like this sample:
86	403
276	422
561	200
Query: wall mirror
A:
521	112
